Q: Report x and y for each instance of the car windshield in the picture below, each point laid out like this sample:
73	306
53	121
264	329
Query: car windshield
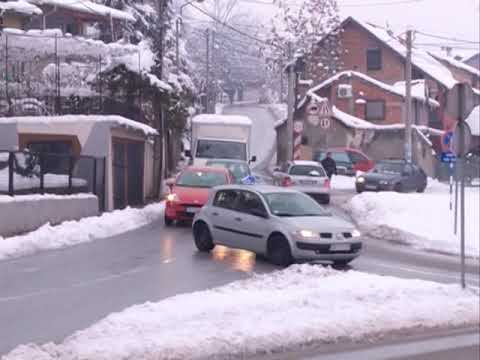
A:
201	179
307	170
239	170
212	149
389	168
293	204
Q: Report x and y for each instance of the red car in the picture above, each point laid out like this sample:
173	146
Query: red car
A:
348	160
189	191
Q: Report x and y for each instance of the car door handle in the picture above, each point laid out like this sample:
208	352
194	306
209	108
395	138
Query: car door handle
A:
237	219
215	214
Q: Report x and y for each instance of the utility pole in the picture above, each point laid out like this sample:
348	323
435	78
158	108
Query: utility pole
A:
408	99
461	153
280	94
290	102
177	43
214	85
207	80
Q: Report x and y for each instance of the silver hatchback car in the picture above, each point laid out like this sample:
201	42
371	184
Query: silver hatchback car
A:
283	224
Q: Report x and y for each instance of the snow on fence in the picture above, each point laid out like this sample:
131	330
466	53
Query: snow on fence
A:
26	172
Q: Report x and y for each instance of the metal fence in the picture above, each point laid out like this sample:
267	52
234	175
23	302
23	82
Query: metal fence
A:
26	172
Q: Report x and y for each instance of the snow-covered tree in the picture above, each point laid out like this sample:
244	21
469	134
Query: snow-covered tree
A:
312	29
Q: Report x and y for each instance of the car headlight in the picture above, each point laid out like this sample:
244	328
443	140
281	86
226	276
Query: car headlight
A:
361	179
356	233
172	197
306	234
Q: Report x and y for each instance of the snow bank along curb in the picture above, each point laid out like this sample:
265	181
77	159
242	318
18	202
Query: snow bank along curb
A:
71	233
422	220
22	213
284	309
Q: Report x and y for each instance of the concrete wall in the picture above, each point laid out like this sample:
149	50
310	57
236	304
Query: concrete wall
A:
20	214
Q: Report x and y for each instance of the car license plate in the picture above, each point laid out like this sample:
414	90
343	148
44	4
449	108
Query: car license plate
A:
371	187
192	210
308	182
340	247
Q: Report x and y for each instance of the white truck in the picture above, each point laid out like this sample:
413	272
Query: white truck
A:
220	137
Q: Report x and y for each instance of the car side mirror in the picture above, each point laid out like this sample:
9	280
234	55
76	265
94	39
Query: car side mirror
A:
170	182
188	153
253	159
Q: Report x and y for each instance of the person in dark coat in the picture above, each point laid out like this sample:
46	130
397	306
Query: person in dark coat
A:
329	165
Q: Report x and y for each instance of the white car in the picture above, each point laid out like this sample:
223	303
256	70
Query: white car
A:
308	177
283	224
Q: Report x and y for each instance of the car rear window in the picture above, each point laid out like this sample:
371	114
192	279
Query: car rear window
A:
306	170
201	179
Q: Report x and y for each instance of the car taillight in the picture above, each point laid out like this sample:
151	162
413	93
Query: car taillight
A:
287	181
326	183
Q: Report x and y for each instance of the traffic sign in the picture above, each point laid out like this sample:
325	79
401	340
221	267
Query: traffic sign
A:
447	138
325	123
448	157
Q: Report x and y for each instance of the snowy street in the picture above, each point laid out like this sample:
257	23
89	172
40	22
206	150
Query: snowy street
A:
50	295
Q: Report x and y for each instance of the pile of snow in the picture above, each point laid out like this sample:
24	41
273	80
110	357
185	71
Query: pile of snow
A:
343	182
422	220
281	310
20	7
71	233
50	181
88	7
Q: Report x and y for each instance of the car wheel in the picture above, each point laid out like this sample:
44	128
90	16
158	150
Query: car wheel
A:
398	187
359	189
202	237
326	200
341	263
422	188
279	252
168	221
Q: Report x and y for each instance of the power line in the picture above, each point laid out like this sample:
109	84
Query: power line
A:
231	27
448	38
382	3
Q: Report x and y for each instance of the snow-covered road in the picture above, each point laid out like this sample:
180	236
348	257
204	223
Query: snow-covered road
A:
284	309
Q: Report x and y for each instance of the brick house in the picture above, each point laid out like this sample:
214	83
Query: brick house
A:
376	52
367	98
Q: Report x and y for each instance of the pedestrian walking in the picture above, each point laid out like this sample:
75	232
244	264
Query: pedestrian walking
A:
329	165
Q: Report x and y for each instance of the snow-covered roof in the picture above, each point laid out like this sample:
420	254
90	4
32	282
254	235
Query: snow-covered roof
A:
473	120
457	64
222	119
357	123
418	88
88	7
114	120
20	7
420	58
476	91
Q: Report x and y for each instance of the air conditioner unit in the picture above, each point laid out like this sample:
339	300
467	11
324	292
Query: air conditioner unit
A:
344	91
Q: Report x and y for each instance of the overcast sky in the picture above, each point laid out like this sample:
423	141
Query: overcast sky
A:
450	18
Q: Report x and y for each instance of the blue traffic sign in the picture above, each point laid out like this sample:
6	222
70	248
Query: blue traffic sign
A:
447	138
448	157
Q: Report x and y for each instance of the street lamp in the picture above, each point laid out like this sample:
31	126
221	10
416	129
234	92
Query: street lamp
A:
177	31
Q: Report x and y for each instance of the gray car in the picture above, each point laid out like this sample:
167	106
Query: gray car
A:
308	177
283	224
392	175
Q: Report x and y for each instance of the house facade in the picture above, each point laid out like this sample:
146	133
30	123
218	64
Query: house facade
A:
379	54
